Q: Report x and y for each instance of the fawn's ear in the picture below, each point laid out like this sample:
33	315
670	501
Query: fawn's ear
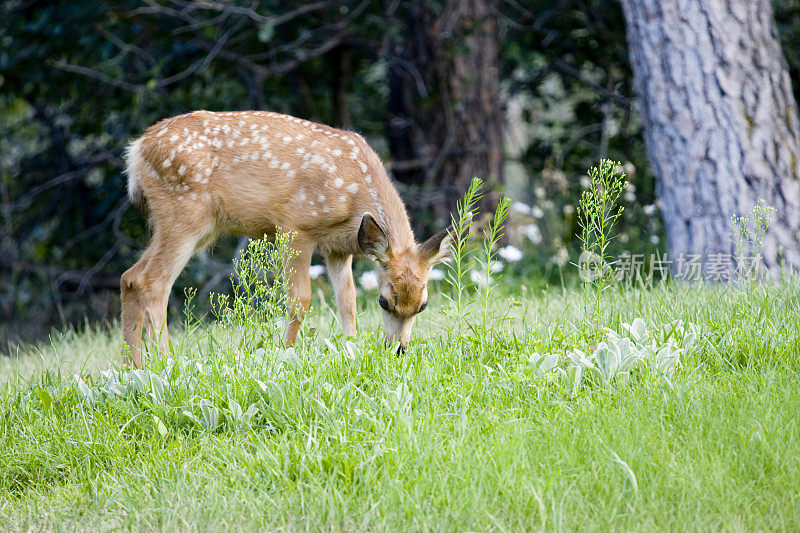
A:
438	248
372	240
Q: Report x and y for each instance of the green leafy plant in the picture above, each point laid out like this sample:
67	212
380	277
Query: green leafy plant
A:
748	238
455	310
598	211
253	316
488	259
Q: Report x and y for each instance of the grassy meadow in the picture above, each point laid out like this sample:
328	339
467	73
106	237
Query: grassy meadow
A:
480	426
608	405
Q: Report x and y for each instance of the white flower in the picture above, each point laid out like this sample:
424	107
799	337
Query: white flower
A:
532	233
521	208
477	277
560	258
568	209
368	280
539	191
537	212
654	239
630	197
585	182
623	238
510	253
436	274
649	210
496	266
315	271
630	170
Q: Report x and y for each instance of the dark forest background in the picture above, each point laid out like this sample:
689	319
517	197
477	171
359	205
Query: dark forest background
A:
524	94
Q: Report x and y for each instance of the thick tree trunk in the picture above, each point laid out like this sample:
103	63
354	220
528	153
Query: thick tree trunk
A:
445	112
720	121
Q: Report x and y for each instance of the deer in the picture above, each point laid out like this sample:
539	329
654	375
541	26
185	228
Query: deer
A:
203	174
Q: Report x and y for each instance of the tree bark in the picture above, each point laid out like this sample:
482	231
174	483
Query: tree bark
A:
720	121
445	119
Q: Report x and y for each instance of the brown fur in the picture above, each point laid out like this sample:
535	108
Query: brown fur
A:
251	172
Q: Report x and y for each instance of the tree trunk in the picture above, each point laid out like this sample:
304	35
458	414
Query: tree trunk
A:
720	122
445	113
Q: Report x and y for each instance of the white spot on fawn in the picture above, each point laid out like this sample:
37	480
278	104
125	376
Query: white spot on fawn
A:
181	170
352	188
338	182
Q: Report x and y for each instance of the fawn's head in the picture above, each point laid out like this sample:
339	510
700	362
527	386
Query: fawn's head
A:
402	275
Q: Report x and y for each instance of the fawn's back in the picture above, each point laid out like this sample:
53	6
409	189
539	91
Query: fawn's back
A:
252	171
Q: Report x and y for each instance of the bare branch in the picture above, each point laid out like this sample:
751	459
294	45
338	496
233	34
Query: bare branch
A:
96	75
569	70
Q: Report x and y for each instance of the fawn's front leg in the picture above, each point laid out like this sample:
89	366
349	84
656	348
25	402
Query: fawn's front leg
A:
340	272
299	287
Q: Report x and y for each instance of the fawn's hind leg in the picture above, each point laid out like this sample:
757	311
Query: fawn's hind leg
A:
147	284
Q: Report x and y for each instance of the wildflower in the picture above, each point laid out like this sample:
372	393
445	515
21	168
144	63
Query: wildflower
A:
623	238
537	212
629	168
568	209
496	266
521	208
560	258
477	277
539	191
533	234
654	239
315	271
436	274
510	253
650	210
630	197
585	182
368	280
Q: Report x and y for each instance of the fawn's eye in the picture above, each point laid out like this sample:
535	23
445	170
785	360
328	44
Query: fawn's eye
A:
383	303
422	307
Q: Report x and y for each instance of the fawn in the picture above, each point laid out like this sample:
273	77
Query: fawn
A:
255	172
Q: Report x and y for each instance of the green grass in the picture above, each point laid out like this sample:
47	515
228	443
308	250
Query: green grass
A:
459	434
